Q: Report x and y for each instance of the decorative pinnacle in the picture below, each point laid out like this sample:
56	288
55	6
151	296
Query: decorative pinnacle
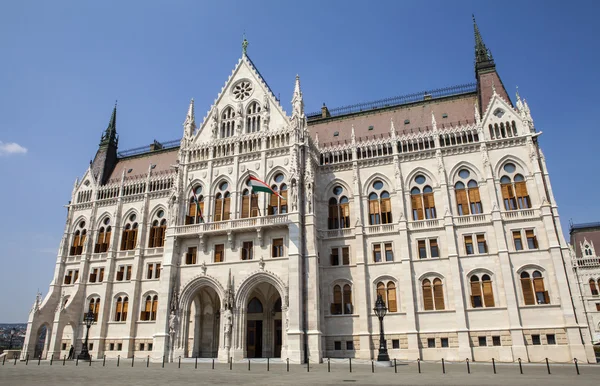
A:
482	54
244	45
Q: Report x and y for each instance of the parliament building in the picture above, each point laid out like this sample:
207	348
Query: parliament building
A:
439	201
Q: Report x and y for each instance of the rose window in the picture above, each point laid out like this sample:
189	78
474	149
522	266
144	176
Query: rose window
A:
242	90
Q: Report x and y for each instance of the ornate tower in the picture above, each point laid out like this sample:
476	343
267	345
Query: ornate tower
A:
106	156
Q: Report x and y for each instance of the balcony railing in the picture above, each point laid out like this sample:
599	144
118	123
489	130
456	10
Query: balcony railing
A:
424	224
472	219
237	224
337	233
514	215
380	229
587	262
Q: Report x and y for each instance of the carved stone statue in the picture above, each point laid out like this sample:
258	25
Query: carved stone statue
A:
239	118
309	197
266	113
294	195
214	125
227	321
173	208
173	322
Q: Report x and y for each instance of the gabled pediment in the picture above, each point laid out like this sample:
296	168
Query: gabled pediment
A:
500	112
244	95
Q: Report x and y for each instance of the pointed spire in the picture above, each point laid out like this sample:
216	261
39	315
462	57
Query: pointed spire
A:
483	56
477	115
352	135
189	125
392	128
433	122
110	134
297	100
519	102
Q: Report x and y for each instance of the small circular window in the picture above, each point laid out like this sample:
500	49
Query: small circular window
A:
377	185
198	190
132	217
279	178
509	168
106	221
464	173
242	90
338	190
419	179
160	213
223	186
82	224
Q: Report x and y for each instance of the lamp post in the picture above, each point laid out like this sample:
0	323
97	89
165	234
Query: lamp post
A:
88	319
12	334
380	310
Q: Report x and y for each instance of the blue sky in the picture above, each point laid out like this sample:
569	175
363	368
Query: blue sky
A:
64	63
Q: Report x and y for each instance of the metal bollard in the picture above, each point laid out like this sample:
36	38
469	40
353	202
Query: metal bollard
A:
148	361
576	365
548	365
196	363
520	366
268	364
248	364
350	361
27	359
118	360
494	365
419	364
328	365
443	367
51	359
179	365
372	366
64	359
288	364
14	364
90	361
468	367
132	360
39	359
163	363
213	365
308	365
104	360
395	368
230	363
77	361
3	360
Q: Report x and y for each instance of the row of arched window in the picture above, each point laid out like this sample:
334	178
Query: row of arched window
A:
121	308
422	201
432	292
253	118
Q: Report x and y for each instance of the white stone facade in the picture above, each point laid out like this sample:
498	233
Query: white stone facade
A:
205	307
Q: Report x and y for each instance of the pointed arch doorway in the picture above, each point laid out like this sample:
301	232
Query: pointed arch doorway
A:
203	324
264	333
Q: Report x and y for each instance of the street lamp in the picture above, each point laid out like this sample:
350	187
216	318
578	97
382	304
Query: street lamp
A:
88	319
380	310
12	333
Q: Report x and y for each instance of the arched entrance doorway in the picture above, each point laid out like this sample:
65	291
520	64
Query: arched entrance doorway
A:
203	324
264	335
41	343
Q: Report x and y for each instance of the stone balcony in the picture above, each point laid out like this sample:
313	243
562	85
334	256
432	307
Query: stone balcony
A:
237	225
586	262
517	215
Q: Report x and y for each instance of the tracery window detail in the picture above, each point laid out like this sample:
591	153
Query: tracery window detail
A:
514	189
249	202
278	204
534	291
104	234
342	300
227	122
422	201
157	231
388	294
482	294
222	202
380	208
468	200
339	209
433	294
253	117
129	237
195	209
78	239
122	306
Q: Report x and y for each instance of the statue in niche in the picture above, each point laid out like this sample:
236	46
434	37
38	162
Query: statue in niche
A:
173	209
266	113
227	321
214	126
173	323
239	118
309	197
294	195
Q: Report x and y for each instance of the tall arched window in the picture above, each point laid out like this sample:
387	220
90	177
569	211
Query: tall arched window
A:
78	239
121	309
103	240
129	237
380	208
342	300
253	120
195	209
593	287
468	199
482	294
150	308
514	189
158	230
255	306
421	196
277	204
94	306
227	122
339	210
249	202
534	292
388	294
222	203
433	295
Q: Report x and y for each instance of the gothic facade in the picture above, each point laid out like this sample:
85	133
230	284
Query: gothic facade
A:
440	202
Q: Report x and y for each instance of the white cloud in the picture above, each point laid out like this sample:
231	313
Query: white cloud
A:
9	148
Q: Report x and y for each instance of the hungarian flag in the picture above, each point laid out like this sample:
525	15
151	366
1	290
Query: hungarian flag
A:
260	186
198	210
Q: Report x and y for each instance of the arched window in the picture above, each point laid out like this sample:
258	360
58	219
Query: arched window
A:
339	210
278	204
534	292
255	306
158	230
514	189
121	309
468	199
342	300
249	202
253	118
593	287
94	306
482	294
227	122
150	308
433	295
78	240
380	208
129	237
103	240
388	294
421	196
222	203
195	213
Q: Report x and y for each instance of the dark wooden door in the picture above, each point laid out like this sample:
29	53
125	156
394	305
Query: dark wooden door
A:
278	339
254	339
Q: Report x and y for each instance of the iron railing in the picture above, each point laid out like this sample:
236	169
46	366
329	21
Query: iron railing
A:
146	149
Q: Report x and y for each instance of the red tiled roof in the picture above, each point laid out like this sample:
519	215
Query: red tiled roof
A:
163	159
591	234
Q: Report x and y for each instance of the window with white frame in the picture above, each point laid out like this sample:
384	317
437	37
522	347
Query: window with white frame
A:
123	273
514	188
433	293
130	232
534	290
153	271
383	252
475	244
527	235
103	238
78	242
339	209
422	201
428	248
387	291
342	300
340	256
468	200
482	293
380	207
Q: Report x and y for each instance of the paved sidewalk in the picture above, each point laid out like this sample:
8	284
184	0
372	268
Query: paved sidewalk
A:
431	373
